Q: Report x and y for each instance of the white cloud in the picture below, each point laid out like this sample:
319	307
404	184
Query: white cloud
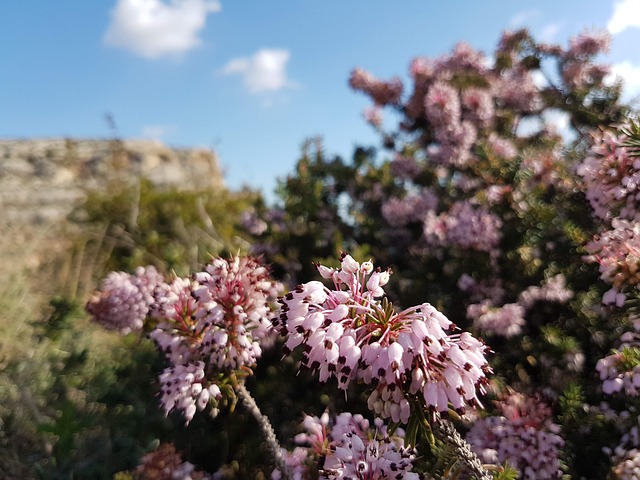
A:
539	79
626	13
552	117
263	72
521	18
549	32
157	132
561	121
630	75
153	28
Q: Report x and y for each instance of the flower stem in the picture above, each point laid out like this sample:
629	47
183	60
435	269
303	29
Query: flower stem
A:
267	430
448	433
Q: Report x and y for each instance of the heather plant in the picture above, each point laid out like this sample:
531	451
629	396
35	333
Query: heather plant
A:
140	224
76	398
493	215
501	332
211	329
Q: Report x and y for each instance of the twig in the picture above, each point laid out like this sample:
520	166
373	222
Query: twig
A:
267	430
449	434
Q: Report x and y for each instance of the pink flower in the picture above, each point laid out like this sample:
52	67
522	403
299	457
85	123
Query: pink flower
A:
442	105
617	252
553	289
124	301
478	105
524	436
588	44
399	212
210	326
506	321
464	225
349	448
383	93
611	177
348	334
620	371
501	146
184	387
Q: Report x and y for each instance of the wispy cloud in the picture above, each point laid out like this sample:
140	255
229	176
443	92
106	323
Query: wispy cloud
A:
561	121
265	71
552	117
549	32
157	132
626	13
630	75
154	28
520	19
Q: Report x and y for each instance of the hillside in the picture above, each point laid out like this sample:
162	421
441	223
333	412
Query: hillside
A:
42	179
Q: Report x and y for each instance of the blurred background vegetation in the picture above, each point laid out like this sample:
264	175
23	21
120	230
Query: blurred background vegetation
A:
80	403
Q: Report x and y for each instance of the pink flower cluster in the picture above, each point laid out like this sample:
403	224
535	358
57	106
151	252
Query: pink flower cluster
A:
617	251
577	70
207	326
405	167
185	388
124	300
464	225
348	334
552	289
383	93
165	463
460	98
611	177
211	324
616	377
478	106
508	320
516	89
626	463
491	289
626	455
501	146
352	449
252	223
457	117
524	436
589	43
620	371
399	212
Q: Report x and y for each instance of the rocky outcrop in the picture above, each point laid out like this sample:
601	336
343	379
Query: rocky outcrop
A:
42	180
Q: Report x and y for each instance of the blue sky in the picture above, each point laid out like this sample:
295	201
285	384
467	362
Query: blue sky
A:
250	79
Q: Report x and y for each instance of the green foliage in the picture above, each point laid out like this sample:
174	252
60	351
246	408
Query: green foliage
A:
506	472
632	130
82	403
86	413
317	221
175	230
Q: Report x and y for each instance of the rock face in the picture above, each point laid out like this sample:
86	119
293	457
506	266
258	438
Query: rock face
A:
42	180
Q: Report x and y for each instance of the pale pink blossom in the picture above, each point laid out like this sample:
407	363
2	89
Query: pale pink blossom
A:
611	177
381	92
124	301
348	334
524	436
553	289
617	252
348	447
464	225
505	321
399	212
